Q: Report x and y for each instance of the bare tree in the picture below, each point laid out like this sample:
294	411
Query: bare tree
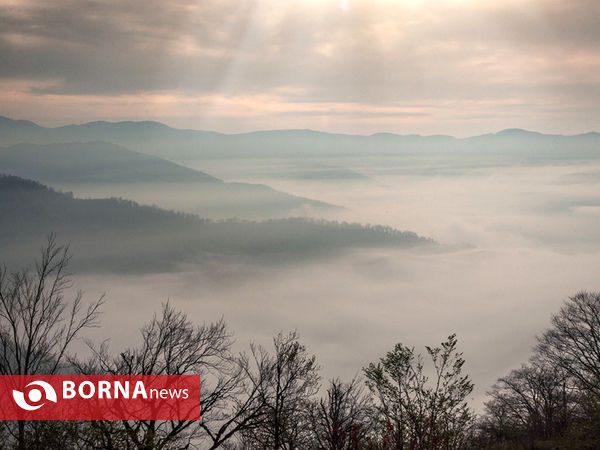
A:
573	341
171	345
286	382
555	399
37	323
533	403
340	420
413	412
243	408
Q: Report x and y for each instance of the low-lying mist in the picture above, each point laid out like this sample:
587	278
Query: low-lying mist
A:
350	311
553	205
515	242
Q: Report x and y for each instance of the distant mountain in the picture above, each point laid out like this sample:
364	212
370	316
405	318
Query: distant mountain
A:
148	137
518	132
117	235
93	162
166	142
109	169
15	126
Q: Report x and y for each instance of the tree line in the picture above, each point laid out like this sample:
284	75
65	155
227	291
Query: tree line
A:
273	397
553	400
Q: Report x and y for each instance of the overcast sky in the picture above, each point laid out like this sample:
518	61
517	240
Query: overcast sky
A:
457	67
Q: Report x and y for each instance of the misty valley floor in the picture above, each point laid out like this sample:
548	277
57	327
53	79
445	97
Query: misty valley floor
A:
515	242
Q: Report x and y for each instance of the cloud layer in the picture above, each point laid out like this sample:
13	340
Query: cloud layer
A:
457	67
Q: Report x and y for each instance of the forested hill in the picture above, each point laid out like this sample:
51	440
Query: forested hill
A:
116	234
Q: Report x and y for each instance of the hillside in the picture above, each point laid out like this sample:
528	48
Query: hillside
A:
93	162
120	235
101	169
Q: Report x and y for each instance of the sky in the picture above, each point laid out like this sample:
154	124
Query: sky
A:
458	67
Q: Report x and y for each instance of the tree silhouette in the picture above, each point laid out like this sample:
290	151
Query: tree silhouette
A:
573	341
286	380
413	411
37	323
340	420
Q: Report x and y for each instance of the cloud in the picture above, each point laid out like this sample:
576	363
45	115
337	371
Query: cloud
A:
349	317
536	241
383	53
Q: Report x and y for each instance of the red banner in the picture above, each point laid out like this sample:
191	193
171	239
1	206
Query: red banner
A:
99	397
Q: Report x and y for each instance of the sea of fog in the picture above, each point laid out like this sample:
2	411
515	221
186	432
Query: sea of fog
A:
514	242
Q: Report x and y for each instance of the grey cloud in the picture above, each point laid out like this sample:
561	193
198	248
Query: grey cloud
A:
462	61
112	47
129	46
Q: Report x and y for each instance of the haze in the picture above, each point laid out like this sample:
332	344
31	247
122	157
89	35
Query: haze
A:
516	242
460	67
503	225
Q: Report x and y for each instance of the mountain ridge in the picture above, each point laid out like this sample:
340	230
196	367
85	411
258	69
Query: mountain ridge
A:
507	146
110	169
157	124
115	235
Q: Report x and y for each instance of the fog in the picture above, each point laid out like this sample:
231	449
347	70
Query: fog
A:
515	241
553	206
284	187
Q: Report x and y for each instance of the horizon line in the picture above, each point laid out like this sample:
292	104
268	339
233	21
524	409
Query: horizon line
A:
267	130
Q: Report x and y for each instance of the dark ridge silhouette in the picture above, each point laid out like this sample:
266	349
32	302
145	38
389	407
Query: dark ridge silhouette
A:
120	235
